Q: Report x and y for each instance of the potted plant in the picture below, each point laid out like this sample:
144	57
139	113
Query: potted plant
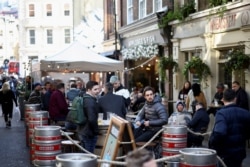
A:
166	63
197	66
238	60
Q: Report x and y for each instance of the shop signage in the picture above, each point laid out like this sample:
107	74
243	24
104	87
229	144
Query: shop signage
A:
223	23
142	41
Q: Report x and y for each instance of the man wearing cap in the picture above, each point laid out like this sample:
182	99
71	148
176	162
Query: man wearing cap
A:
35	95
217	98
180	116
120	90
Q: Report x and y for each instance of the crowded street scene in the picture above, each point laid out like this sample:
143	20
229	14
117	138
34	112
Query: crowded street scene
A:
133	83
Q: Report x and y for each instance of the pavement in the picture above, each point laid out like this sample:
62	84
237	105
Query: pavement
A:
15	153
13	149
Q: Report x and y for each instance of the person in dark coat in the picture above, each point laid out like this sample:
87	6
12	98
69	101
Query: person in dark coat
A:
151	118
199	123
35	96
46	96
89	131
7	98
111	103
241	95
217	98
58	107
231	130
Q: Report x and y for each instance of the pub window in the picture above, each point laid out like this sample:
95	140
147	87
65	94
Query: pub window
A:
142	9
157	5
130	11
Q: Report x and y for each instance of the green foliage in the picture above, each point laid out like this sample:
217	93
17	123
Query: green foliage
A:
214	3
238	60
179	14
200	68
166	63
221	10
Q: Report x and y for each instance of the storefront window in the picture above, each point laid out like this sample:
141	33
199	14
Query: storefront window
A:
224	76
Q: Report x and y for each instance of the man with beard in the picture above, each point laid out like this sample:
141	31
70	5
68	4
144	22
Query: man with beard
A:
151	118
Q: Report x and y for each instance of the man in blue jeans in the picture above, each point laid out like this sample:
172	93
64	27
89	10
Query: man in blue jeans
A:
89	131
151	118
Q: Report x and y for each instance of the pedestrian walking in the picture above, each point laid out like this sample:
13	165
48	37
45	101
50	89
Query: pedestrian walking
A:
7	97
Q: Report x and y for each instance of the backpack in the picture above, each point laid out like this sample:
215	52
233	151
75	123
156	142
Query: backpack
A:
76	114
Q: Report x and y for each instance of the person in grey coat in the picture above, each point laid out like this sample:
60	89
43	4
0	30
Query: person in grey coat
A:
151	118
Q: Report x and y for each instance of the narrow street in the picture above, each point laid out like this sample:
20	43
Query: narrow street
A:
13	149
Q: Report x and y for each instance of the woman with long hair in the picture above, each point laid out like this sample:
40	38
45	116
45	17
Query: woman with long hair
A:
195	95
184	91
7	98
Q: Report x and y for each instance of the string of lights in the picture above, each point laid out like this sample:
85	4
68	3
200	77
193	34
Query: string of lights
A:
138	66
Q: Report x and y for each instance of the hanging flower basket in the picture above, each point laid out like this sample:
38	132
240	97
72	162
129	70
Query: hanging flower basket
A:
192	70
197	66
238	60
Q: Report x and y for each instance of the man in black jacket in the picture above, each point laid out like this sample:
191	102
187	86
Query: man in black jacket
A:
241	95
89	131
151	118
111	103
199	123
231	130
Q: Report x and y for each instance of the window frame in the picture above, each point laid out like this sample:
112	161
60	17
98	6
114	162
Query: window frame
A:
32	37
67	36
130	9
49	8
142	13
66	9
31	11
49	37
159	5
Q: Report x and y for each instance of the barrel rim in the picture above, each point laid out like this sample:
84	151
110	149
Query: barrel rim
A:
59	157
186	151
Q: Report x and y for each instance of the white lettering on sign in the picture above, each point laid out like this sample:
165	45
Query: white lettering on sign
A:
224	22
142	41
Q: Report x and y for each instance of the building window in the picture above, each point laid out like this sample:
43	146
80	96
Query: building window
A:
142	9
49	37
49	10
66	9
32	36
130	11
67	36
31	10
157	5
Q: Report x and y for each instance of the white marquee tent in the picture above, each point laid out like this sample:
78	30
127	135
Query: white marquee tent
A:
79	58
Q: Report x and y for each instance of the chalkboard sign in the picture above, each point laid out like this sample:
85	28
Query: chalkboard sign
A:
119	134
